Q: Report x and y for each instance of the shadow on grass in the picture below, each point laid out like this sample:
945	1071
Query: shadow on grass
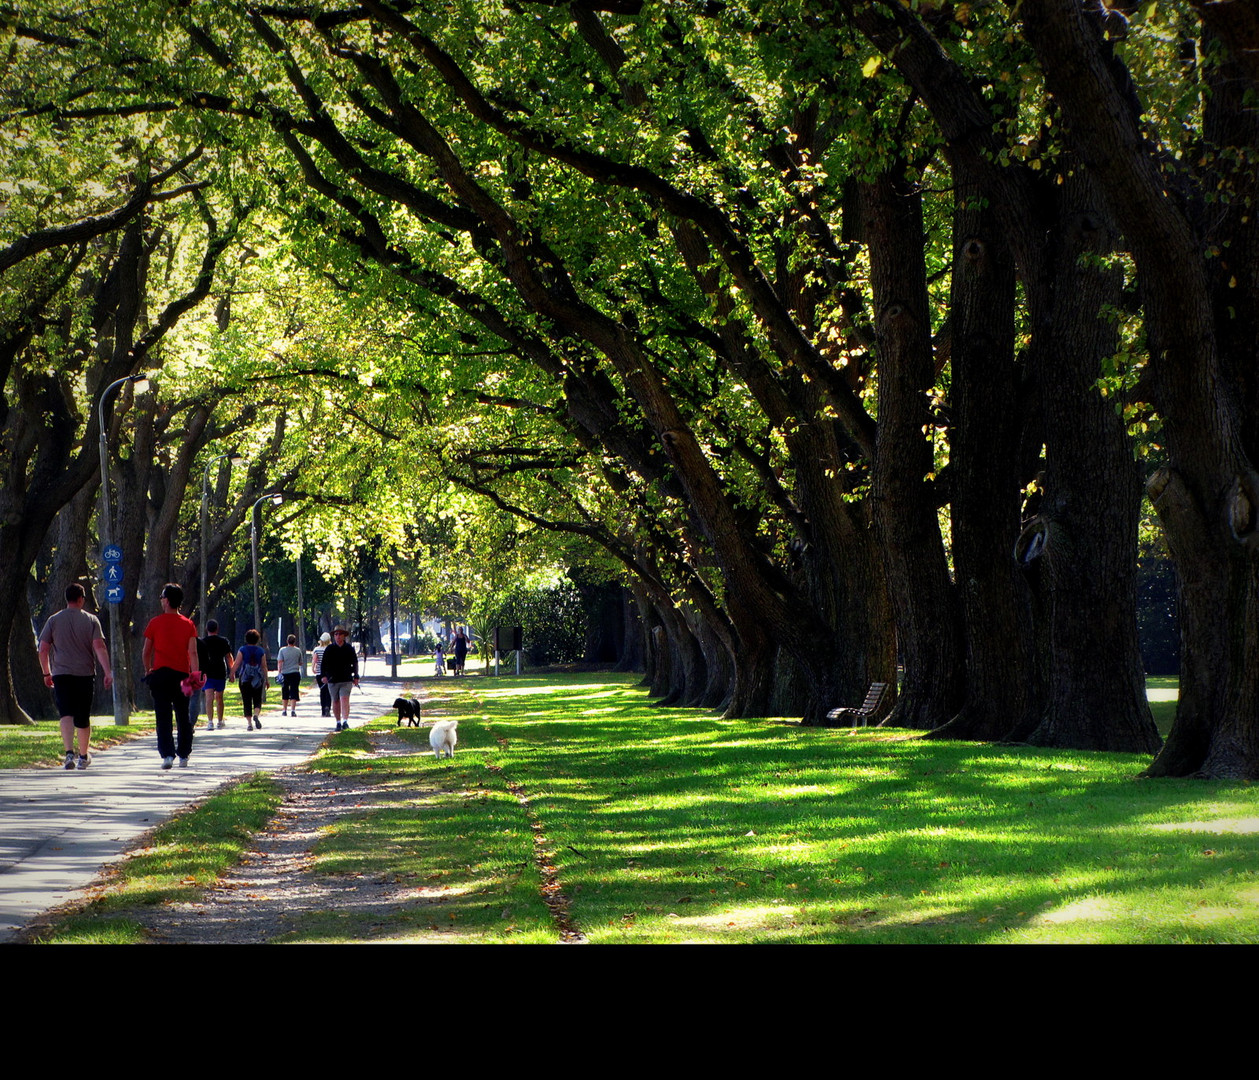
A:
452	848
676	825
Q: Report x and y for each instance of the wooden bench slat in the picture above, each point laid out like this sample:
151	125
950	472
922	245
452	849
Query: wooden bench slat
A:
873	696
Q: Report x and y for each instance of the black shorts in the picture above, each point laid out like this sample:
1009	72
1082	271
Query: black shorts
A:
74	697
251	697
291	682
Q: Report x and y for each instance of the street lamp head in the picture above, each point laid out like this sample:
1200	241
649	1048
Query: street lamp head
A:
276	499
140	383
237	461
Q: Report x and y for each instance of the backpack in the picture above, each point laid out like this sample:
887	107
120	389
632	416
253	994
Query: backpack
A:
251	674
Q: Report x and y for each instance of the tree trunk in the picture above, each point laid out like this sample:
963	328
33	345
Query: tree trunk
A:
1087	529
28	679
632	652
1208	498
927	631
986	485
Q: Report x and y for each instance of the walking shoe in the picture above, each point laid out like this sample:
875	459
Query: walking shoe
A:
183	763
249	725
257	723
167	762
222	725
83	762
69	759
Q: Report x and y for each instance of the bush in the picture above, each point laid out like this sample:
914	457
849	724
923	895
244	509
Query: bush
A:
421	644
553	621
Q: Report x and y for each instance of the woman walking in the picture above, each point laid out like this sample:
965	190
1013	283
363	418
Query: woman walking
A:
250	666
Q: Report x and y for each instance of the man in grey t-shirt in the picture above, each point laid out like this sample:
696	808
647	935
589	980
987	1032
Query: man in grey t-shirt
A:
66	648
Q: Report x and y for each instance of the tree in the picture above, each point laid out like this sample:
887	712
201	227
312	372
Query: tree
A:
1190	229
746	299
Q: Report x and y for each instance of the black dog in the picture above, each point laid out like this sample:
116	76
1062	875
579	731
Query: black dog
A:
409	710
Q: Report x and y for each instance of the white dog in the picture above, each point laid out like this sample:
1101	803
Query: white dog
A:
442	737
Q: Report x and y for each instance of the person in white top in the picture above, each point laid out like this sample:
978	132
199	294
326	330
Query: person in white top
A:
288	662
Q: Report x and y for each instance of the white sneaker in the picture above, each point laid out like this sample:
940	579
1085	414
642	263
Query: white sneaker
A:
222	725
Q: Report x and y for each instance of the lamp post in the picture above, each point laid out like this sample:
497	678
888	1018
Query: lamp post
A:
237	461
393	624
301	616
274	498
122	707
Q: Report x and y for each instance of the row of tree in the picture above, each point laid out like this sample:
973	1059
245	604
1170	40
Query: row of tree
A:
848	334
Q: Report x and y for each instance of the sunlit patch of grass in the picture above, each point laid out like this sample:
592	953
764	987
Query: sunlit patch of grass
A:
183	856
459	848
96	930
673	824
24	745
1162	692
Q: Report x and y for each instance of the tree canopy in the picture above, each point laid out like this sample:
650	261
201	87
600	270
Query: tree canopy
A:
844	336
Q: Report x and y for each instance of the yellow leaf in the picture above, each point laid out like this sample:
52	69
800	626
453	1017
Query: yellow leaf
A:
871	66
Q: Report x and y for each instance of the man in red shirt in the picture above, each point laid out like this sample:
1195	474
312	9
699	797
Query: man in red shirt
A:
170	654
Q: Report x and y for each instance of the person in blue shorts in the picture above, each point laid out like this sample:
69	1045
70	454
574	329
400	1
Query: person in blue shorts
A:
214	652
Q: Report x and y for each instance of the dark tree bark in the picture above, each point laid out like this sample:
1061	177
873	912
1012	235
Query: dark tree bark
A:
984	464
1201	370
28	678
927	629
632	656
1087	528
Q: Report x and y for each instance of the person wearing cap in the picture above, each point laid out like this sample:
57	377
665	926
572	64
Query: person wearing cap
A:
325	696
70	646
339	671
170	656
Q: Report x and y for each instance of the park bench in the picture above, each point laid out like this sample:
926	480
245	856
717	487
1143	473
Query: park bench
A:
864	713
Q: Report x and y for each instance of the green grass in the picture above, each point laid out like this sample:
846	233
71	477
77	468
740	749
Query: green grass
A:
674	825
22	746
182	857
453	840
1162	692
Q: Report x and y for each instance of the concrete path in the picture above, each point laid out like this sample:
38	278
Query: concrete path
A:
59	828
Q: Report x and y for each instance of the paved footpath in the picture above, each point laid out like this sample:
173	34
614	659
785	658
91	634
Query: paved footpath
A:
58	829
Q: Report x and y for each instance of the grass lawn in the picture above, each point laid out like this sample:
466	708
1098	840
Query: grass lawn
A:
181	857
674	825
449	833
40	743
1162	692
